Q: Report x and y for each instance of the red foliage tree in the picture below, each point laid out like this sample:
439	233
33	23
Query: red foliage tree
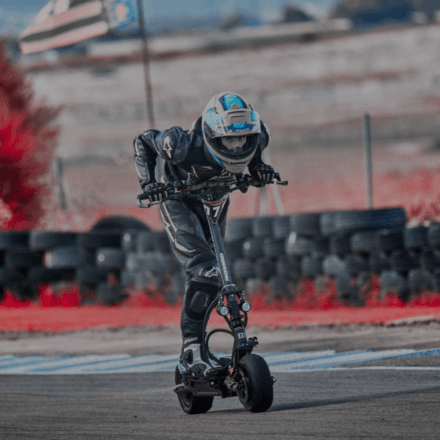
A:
27	143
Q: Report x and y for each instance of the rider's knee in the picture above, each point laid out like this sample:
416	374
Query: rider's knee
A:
207	272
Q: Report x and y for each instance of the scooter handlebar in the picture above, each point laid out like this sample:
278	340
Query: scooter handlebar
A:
179	190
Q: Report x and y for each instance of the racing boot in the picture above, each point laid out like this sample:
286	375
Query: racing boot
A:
192	361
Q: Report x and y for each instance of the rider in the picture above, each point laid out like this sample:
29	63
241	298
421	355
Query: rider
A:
219	145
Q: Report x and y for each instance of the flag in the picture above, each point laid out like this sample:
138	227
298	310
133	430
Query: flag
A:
64	22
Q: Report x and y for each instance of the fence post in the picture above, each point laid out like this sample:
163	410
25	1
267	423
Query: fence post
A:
368	162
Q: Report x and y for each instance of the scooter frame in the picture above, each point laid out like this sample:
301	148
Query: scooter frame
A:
230	300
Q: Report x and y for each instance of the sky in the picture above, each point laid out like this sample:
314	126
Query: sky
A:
15	15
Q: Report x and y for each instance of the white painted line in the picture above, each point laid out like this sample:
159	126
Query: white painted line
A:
346	359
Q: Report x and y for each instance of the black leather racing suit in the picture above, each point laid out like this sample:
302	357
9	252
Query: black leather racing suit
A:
186	158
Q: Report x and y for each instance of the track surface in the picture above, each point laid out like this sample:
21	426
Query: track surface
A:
388	398
313	405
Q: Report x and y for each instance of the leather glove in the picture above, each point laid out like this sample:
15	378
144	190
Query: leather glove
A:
156	191
263	173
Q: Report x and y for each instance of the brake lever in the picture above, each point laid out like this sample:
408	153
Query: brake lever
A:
279	181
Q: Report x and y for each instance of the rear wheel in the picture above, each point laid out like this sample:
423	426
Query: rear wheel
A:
190	403
255	390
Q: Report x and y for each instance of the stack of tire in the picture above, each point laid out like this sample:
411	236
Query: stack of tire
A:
149	263
117	254
345	246
93	260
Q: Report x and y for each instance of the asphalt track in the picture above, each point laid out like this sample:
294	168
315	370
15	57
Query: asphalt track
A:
364	396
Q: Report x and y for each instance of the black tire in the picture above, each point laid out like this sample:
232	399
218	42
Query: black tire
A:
298	246
120	223
262	227
43	275
256	386
110	295
288	267
110	258
273	247
305	224
311	267
378	262
90	274
436	281
67	257
390	280
281	227
356	264
403	261
364	242
347	222
243	268
428	260
279	287
253	285
253	248
433	235
339	245
23	258
13	240
265	268
238	229
10	277
327	223
128	279
320	247
419	280
98	239
332	265
389	240
415	239
150	262
234	250
42	240
192	404
347	288
129	239
145	242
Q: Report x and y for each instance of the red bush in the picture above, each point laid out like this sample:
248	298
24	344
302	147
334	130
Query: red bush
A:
27	144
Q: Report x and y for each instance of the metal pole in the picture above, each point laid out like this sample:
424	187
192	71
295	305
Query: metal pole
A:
146	64
368	162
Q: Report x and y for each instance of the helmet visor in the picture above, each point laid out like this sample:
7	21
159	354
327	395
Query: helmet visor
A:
234	122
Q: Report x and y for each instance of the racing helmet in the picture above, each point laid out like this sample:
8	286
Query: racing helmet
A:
228	114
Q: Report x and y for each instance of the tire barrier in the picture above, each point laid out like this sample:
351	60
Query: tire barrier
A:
272	253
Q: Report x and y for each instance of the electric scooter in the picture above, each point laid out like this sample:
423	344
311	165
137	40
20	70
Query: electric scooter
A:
247	375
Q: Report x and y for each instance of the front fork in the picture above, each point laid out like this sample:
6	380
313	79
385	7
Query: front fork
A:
229	291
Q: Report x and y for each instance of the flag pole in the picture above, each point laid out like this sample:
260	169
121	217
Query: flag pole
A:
146	64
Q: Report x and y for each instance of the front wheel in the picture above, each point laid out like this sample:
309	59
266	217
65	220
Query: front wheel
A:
255	385
190	403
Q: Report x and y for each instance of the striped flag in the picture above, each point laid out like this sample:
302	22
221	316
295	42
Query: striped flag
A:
64	22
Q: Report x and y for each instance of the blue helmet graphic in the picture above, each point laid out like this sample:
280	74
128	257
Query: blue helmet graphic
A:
229	115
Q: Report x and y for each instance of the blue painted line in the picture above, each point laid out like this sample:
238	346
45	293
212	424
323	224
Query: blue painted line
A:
330	364
311	358
143	364
63	367
423	353
11	359
25	364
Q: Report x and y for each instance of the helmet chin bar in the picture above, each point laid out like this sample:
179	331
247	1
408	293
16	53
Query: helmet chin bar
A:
236	168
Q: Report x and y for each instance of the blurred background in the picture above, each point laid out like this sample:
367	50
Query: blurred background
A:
312	69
